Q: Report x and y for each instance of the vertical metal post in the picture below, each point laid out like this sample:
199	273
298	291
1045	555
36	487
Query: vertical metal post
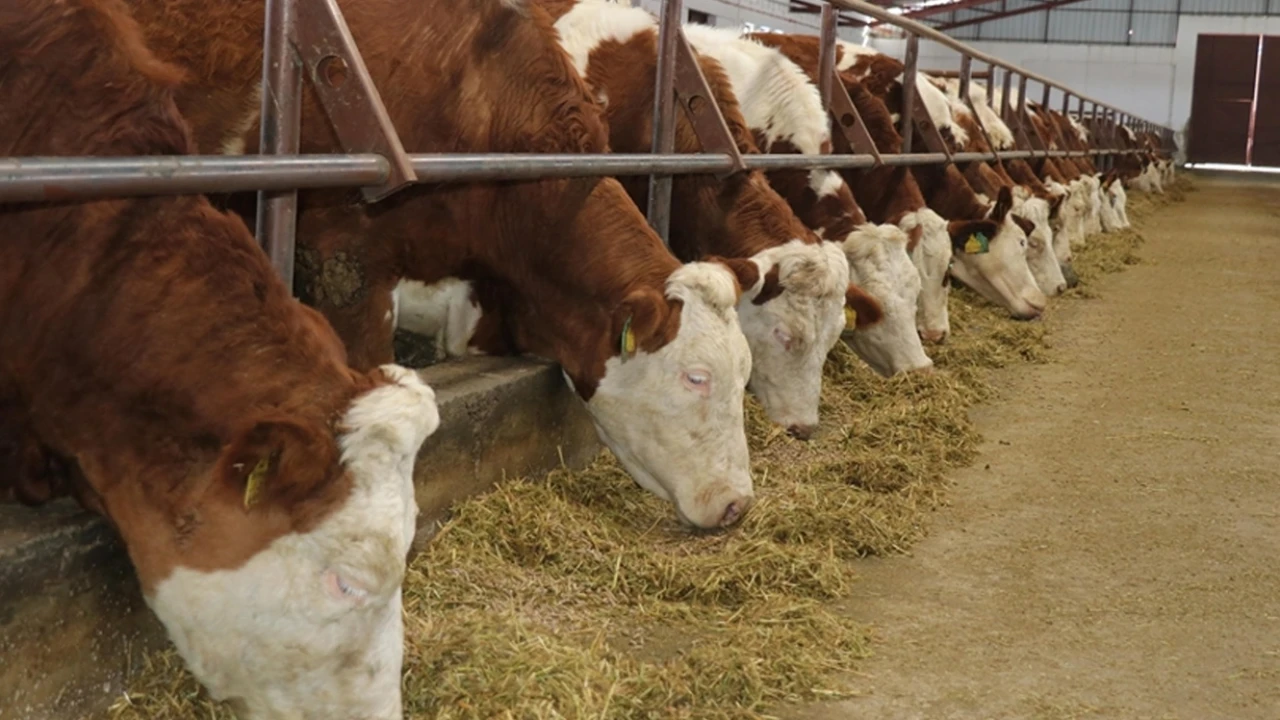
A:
277	218
827	53
991	86
1005	105
1066	102
966	76
1044	100
664	117
909	91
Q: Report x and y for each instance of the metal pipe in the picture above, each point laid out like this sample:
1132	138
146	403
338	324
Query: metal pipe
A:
917	29
664	117
78	179
277	219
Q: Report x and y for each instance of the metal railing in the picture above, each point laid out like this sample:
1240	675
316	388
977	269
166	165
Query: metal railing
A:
309	39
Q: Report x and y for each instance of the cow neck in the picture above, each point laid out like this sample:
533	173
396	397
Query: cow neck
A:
947	193
739	216
833	215
571	319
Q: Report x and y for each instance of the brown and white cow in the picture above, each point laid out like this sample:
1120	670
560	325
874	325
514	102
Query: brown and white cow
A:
1033	202
999	271
264	491
889	195
786	115
563	269
795	315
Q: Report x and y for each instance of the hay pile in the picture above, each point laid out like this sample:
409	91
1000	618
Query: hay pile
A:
578	595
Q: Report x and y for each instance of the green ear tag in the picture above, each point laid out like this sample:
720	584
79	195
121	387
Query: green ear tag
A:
628	342
977	244
253	485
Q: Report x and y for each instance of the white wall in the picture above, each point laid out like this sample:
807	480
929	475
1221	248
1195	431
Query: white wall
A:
1152	82
769	13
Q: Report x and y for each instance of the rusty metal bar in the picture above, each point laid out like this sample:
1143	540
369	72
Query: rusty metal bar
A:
966	67
277	218
337	72
827	53
664	116
700	106
909	92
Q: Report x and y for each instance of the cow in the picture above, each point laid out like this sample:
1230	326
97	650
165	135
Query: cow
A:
564	269
993	261
154	360
1032	201
793	318
889	195
786	115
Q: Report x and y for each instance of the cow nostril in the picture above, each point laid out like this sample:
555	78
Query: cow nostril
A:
734	512
801	432
934	336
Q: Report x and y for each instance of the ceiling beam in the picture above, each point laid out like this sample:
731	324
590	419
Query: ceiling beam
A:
1051	4
937	9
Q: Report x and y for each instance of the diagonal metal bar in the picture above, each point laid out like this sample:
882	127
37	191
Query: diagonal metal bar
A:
347	93
700	106
835	96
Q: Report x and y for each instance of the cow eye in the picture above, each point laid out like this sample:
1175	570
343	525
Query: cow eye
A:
697	380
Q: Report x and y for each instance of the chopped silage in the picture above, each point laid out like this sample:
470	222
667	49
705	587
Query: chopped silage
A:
578	594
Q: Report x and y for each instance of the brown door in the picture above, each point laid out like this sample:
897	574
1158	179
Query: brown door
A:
1266	121
1222	98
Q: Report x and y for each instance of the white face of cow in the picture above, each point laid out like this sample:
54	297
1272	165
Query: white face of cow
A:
1119	200
674	417
880	265
1093	218
1042	260
791	334
1001	274
932	259
311	625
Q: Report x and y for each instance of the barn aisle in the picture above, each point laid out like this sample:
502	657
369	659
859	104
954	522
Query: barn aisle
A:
1115	552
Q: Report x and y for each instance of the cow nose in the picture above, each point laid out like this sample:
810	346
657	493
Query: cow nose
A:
1062	287
923	369
934	336
735	510
801	432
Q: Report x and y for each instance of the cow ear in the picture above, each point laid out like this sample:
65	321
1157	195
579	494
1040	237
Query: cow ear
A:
640	322
745	272
972	237
276	460
1026	225
1004	203
861	310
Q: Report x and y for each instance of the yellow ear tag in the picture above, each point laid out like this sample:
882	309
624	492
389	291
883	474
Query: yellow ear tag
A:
628	343
850	318
253	485
977	244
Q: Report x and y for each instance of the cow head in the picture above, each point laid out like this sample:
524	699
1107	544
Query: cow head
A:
310	624
930	249
792	317
991	257
670	402
880	264
1032	217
